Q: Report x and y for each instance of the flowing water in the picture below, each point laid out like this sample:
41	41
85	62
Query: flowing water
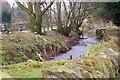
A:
78	50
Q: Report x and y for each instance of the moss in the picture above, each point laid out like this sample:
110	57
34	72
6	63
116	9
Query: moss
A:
43	64
94	64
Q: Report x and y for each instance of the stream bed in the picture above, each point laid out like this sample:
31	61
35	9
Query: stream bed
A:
78	50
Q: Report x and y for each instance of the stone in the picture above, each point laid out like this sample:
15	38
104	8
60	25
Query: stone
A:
4	75
100	66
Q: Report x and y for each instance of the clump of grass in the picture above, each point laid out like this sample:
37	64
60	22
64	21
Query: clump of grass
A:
19	47
103	46
32	69
108	28
47	63
47	34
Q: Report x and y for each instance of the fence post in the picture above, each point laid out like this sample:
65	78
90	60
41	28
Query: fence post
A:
70	56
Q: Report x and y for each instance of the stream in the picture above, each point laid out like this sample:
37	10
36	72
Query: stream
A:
78	50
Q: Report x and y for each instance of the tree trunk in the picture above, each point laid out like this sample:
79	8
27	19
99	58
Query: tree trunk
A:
32	24
66	30
39	25
35	14
59	21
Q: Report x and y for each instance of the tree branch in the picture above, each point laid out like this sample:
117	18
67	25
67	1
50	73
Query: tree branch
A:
47	7
27	10
65	7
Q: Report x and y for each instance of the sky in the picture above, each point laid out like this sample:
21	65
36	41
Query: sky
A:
12	1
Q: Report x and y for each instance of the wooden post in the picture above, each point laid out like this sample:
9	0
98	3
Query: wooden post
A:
70	56
83	54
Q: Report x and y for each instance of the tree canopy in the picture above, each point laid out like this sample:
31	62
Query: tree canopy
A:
109	11
113	9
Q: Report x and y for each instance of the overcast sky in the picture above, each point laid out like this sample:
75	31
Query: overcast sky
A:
12	1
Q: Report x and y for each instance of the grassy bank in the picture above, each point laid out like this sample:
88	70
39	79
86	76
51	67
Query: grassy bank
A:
109	28
20	47
31	69
113	44
103	46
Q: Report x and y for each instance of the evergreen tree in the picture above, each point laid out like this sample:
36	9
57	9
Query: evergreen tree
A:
109	11
113	9
6	17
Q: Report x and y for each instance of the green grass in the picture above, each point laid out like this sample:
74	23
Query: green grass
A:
49	27
31	69
20	47
103	46
27	72
108	28
42	28
117	32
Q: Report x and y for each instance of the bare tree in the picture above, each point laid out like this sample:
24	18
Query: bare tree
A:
59	20
35	10
73	14
13	18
